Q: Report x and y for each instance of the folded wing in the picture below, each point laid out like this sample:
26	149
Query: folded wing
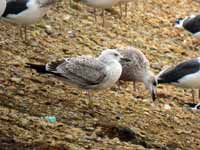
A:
83	71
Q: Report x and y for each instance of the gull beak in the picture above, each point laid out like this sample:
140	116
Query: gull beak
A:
154	94
124	59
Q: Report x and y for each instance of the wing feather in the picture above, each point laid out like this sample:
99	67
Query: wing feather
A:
83	71
173	74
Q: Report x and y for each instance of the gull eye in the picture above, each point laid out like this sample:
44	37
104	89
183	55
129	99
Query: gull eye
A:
177	21
116	55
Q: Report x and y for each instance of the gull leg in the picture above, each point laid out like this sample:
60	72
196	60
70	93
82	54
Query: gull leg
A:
95	14
103	17
126	9
91	107
25	33
118	83
21	32
90	104
199	94
120	9
134	86
193	95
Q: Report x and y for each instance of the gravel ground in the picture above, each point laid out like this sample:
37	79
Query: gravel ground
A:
120	121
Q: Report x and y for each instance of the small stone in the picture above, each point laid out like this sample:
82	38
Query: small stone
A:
71	34
15	79
48	29
69	137
66	18
167	107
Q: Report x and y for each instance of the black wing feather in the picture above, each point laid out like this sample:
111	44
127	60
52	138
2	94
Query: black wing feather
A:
192	25
173	74
15	7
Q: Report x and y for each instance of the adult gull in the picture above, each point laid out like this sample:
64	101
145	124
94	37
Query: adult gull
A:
26	12
185	74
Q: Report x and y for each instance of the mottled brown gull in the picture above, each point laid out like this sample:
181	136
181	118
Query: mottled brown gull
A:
86	72
138	70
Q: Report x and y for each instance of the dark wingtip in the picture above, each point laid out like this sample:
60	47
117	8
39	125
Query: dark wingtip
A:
161	81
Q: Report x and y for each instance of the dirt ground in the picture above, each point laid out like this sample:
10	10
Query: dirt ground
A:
120	121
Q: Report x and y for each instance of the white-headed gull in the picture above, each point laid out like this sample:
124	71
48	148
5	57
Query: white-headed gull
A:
186	74
26	12
190	24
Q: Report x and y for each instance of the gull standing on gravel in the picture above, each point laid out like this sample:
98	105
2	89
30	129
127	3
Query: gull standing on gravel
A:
26	12
138	70
185	75
2	7
103	4
86	72
190	24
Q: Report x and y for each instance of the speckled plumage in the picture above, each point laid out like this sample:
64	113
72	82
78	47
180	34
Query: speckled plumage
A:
135	70
87	72
83	71
138	69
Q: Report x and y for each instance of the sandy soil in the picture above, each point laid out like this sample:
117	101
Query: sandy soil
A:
26	97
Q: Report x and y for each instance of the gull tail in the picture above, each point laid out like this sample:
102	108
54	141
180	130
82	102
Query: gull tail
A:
38	68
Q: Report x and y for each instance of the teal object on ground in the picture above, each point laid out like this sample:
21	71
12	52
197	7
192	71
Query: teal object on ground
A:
51	119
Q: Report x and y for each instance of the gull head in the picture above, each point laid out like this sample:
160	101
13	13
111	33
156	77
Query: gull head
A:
112	55
151	84
179	22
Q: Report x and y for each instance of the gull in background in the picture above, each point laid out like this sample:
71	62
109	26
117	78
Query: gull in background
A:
103	4
86	72
190	24
186	75
26	12
138	70
126	6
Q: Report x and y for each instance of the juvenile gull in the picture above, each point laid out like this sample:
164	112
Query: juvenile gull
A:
190	24
138	70
86	72
2	7
26	12
186	75
103	4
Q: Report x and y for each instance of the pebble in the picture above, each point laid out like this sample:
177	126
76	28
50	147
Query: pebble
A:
66	18
48	29
15	79
167	107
